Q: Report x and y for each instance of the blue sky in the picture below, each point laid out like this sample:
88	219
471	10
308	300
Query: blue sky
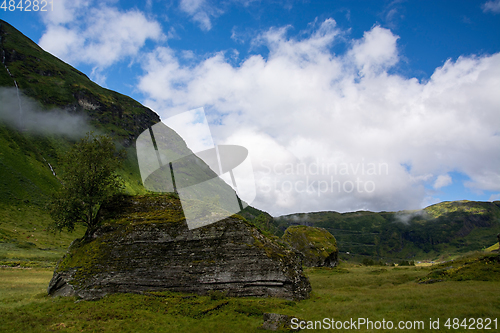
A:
408	84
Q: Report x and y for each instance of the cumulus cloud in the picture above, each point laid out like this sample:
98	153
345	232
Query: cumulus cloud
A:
442	181
101	37
193	127
376	51
377	138
66	11
492	6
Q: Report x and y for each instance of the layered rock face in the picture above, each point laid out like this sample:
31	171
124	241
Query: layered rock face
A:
318	246
145	245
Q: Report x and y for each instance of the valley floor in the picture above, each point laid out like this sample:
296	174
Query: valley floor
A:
343	294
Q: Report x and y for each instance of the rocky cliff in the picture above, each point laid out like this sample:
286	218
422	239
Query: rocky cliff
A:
144	245
318	246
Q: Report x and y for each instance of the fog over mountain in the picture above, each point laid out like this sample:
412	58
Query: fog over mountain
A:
25	114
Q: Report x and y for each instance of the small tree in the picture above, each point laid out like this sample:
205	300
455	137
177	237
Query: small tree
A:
89	178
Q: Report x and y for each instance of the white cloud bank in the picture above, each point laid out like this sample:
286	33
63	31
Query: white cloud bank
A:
376	138
80	31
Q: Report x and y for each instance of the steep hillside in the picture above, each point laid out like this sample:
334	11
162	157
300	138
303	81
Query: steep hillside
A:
49	91
55	84
445	228
46	105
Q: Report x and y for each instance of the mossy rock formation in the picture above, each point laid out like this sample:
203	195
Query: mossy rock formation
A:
145	245
318	246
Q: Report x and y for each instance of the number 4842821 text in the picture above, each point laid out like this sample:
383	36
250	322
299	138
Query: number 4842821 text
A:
27	5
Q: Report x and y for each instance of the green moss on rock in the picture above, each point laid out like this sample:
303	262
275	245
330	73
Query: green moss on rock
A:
318	246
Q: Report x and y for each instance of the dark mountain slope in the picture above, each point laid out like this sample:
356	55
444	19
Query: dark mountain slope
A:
54	83
447	227
32	140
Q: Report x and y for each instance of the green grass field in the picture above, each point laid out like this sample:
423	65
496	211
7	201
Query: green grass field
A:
351	291
26	241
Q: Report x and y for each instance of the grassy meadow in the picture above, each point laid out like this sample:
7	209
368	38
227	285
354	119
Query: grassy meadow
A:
341	293
26	241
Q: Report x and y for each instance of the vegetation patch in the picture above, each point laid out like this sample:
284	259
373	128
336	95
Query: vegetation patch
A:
318	246
476	267
361	293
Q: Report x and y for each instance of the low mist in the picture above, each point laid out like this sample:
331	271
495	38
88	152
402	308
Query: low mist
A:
406	217
25	114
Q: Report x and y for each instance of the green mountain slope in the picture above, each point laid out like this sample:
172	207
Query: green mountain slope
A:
31	140
50	84
54	83
445	228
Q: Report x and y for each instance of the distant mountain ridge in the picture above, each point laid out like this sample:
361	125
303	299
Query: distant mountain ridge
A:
447	227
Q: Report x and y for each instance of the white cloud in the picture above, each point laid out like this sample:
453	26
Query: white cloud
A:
305	105
191	6
200	12
193	127
488	180
376	51
101	37
442	181
491	6
66	11
61	41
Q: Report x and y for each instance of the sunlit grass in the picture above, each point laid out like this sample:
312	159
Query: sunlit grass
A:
393	294
24	236
19	287
492	248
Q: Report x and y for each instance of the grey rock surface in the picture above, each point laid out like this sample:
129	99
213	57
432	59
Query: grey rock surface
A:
148	247
279	322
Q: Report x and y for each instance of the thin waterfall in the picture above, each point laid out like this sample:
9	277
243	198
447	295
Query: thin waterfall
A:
50	166
21	125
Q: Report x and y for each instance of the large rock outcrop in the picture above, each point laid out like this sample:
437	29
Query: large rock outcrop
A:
318	246
145	245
